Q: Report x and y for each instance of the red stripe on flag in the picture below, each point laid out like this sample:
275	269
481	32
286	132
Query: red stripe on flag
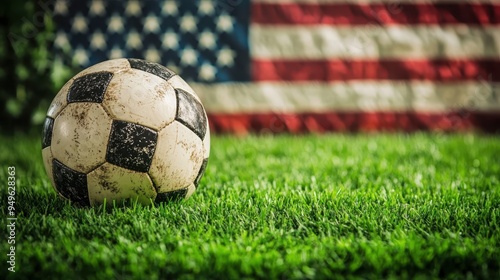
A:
354	122
408	69
389	13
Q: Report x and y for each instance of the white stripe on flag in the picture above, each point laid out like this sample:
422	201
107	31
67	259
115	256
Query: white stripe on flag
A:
374	42
350	96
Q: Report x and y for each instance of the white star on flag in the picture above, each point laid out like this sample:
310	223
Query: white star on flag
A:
134	40
207	72
206	7
169	8
79	24
207	39
188	23
116	52
189	56
81	56
225	57
115	23
225	23
97	8
61	40
98	42
133	8
61	7
151	24
170	40
153	55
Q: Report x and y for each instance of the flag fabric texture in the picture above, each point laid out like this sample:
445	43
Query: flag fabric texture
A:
308	66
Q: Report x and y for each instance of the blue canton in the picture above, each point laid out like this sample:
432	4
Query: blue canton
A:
203	41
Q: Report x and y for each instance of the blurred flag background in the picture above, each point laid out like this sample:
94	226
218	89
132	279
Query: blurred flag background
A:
308	66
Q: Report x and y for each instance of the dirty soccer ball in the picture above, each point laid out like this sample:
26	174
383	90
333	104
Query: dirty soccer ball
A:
125	129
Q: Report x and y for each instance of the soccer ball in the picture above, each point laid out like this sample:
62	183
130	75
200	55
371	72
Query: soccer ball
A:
125	129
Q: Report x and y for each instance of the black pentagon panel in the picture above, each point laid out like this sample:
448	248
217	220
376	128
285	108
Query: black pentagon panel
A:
201	172
171	196
131	146
152	68
47	132
190	112
70	183
90	88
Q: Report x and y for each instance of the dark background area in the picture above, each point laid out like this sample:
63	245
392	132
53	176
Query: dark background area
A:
30	73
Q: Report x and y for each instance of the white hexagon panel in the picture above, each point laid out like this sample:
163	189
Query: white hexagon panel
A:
80	136
178	158
139	97
110	182
112	66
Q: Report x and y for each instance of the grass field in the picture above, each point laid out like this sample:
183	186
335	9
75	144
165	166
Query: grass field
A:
283	207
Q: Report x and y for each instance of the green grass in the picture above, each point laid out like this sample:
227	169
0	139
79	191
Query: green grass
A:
285	207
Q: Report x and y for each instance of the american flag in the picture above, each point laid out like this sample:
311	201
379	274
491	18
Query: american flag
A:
308	66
